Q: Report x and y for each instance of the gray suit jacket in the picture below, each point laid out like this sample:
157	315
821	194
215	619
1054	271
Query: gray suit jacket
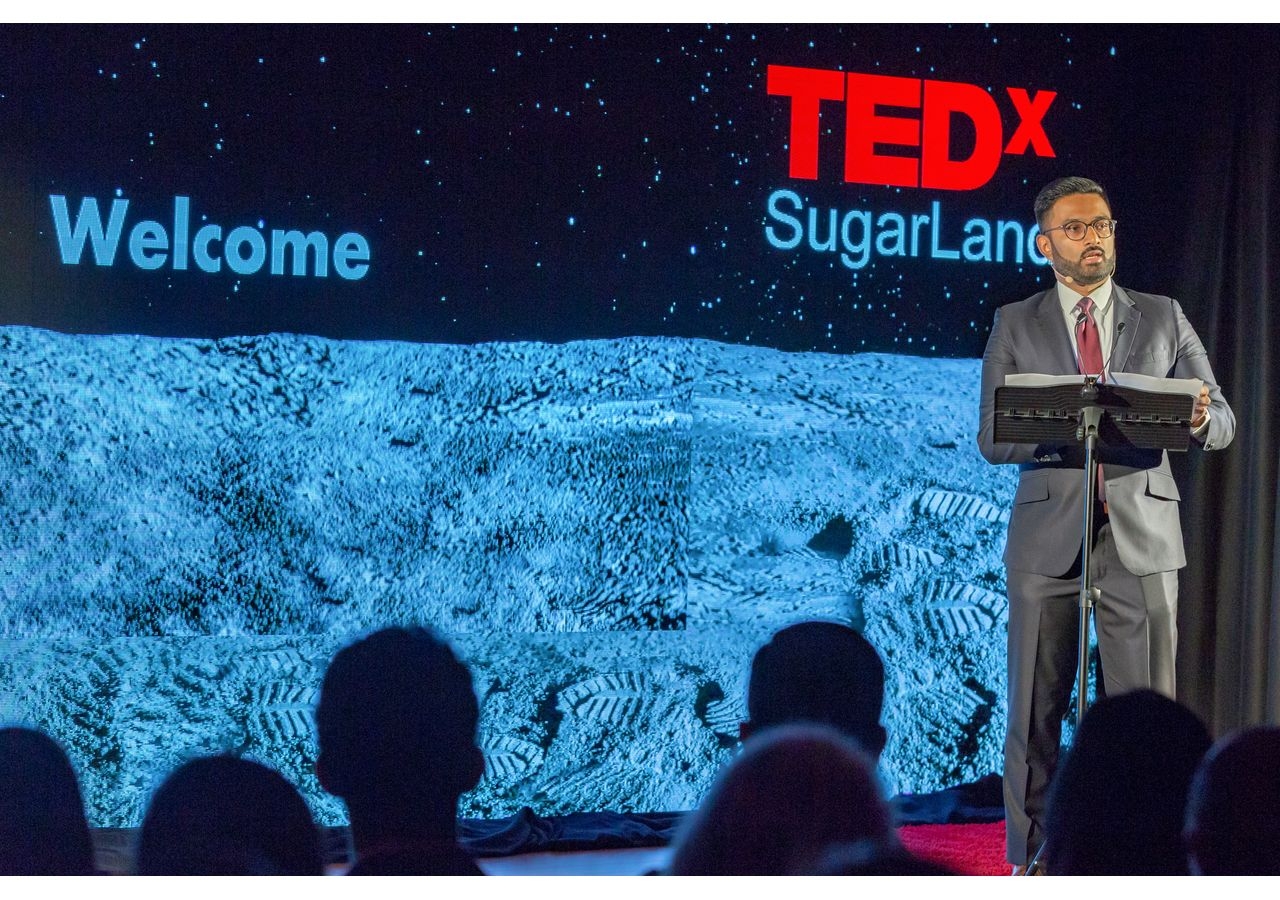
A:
1142	498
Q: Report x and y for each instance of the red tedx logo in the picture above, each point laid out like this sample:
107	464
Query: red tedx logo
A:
867	127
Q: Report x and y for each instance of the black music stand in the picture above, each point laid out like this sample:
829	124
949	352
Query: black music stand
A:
1079	409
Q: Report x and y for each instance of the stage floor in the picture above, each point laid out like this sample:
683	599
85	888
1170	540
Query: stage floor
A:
969	849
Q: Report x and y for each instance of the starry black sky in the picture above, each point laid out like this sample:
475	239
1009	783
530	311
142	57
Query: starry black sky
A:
534	182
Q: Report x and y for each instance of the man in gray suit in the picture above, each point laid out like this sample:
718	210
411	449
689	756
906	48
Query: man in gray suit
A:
1086	323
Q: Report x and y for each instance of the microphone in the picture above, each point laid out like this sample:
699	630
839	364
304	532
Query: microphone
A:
1114	341
1106	363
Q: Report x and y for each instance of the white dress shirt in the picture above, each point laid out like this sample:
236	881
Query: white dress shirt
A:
1103	314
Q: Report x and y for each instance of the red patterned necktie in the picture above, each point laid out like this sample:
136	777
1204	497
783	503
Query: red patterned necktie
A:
1087	342
1089	350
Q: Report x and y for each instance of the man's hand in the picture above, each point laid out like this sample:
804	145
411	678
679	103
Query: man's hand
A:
1201	412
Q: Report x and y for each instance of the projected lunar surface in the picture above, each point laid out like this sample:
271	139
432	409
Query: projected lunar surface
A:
606	530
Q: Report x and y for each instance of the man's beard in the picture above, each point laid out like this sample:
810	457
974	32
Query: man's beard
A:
1079	273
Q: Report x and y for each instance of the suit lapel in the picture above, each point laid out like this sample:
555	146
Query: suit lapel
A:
1053	328
1128	314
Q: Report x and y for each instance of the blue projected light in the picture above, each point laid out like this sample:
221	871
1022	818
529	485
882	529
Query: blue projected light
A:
245	248
608	409
859	234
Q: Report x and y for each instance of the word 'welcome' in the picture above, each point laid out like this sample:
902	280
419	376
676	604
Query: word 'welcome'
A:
247	250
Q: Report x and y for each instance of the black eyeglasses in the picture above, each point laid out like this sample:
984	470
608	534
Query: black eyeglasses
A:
1076	229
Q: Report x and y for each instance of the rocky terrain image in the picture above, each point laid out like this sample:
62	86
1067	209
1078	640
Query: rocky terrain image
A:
606	530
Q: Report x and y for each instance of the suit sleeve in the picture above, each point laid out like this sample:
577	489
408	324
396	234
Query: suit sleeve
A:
1193	362
997	362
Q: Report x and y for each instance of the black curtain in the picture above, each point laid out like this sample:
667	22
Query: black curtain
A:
1221	221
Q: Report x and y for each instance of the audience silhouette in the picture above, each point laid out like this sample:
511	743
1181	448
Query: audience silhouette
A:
1116	803
825	674
1139	792
793	792
875	858
1233	813
821	672
396	722
220	815
43	828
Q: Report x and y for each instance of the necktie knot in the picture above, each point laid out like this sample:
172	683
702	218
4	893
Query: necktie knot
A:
1086	306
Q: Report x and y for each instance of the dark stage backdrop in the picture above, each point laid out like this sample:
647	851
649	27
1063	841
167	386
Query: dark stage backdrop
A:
1229	263
605	351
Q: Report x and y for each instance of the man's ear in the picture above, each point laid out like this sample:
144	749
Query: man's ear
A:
326	776
1044	246
473	769
881	738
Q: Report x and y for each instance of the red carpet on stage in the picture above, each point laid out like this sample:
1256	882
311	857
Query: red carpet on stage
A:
976	849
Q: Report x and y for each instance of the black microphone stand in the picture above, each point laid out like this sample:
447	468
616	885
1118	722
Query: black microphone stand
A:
1090	419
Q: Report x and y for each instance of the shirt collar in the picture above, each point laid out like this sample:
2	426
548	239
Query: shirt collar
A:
1101	296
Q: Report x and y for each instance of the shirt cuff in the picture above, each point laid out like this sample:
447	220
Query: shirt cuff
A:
1204	426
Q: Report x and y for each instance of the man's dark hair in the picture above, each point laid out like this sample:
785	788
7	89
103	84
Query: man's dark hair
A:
220	815
43	828
819	672
1233	813
792	792
1055	190
1116	803
872	857
397	719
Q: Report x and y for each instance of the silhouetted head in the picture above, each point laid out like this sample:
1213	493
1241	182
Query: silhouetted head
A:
1233	813
397	723
1117	801
874	858
819	672
43	829
794	791
220	815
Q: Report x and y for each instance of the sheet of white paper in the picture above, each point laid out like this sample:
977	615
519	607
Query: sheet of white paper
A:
1032	379
1188	386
